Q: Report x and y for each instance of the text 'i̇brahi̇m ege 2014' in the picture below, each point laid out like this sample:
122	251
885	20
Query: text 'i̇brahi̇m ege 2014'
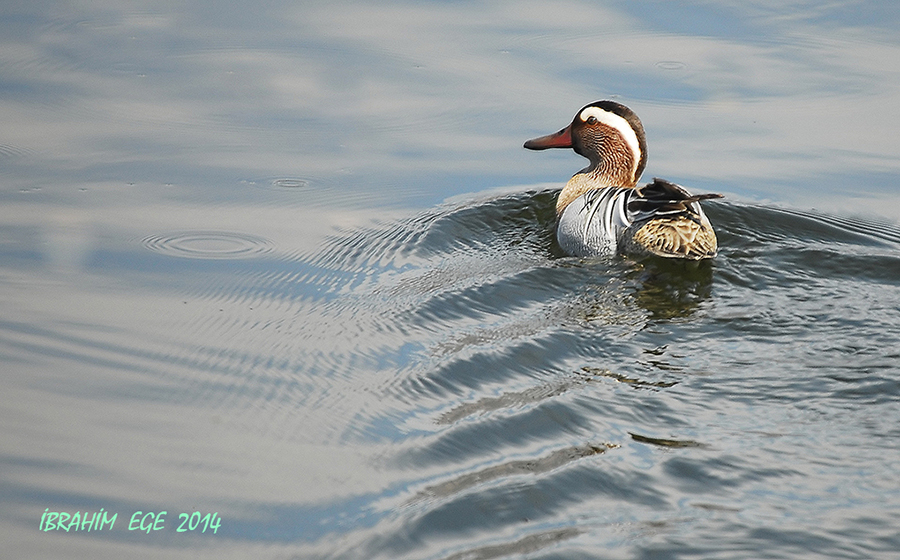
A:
148	522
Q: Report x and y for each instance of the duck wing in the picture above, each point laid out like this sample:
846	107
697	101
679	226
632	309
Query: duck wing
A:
665	198
667	221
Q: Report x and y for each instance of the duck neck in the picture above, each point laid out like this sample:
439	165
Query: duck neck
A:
598	175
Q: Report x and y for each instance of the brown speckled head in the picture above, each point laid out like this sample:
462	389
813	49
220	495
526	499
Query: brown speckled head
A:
608	134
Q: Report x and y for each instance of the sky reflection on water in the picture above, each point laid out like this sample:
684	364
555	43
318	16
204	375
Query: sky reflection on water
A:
232	236
419	101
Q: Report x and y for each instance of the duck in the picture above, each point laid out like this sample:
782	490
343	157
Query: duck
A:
602	211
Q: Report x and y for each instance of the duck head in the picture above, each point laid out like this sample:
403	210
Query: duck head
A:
610	136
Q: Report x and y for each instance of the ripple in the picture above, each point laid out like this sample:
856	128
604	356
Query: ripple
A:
10	152
290	183
532	465
532	542
673	443
286	183
208	245
12	155
671	65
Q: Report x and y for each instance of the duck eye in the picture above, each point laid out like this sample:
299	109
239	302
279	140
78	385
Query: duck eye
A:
591	120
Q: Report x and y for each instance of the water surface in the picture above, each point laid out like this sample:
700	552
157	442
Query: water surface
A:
290	264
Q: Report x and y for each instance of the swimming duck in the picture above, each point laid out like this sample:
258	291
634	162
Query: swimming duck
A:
601	210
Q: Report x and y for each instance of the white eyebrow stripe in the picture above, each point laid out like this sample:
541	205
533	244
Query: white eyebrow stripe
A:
618	123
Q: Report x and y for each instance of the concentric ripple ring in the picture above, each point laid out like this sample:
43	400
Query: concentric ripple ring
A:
208	244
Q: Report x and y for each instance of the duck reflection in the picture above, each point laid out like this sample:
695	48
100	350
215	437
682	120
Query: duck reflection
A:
670	289
653	289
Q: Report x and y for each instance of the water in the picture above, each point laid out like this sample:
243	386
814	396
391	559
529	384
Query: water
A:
290	265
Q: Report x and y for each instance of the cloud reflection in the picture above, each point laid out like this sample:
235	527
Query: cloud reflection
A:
408	94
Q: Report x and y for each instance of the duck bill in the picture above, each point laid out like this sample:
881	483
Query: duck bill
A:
561	139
